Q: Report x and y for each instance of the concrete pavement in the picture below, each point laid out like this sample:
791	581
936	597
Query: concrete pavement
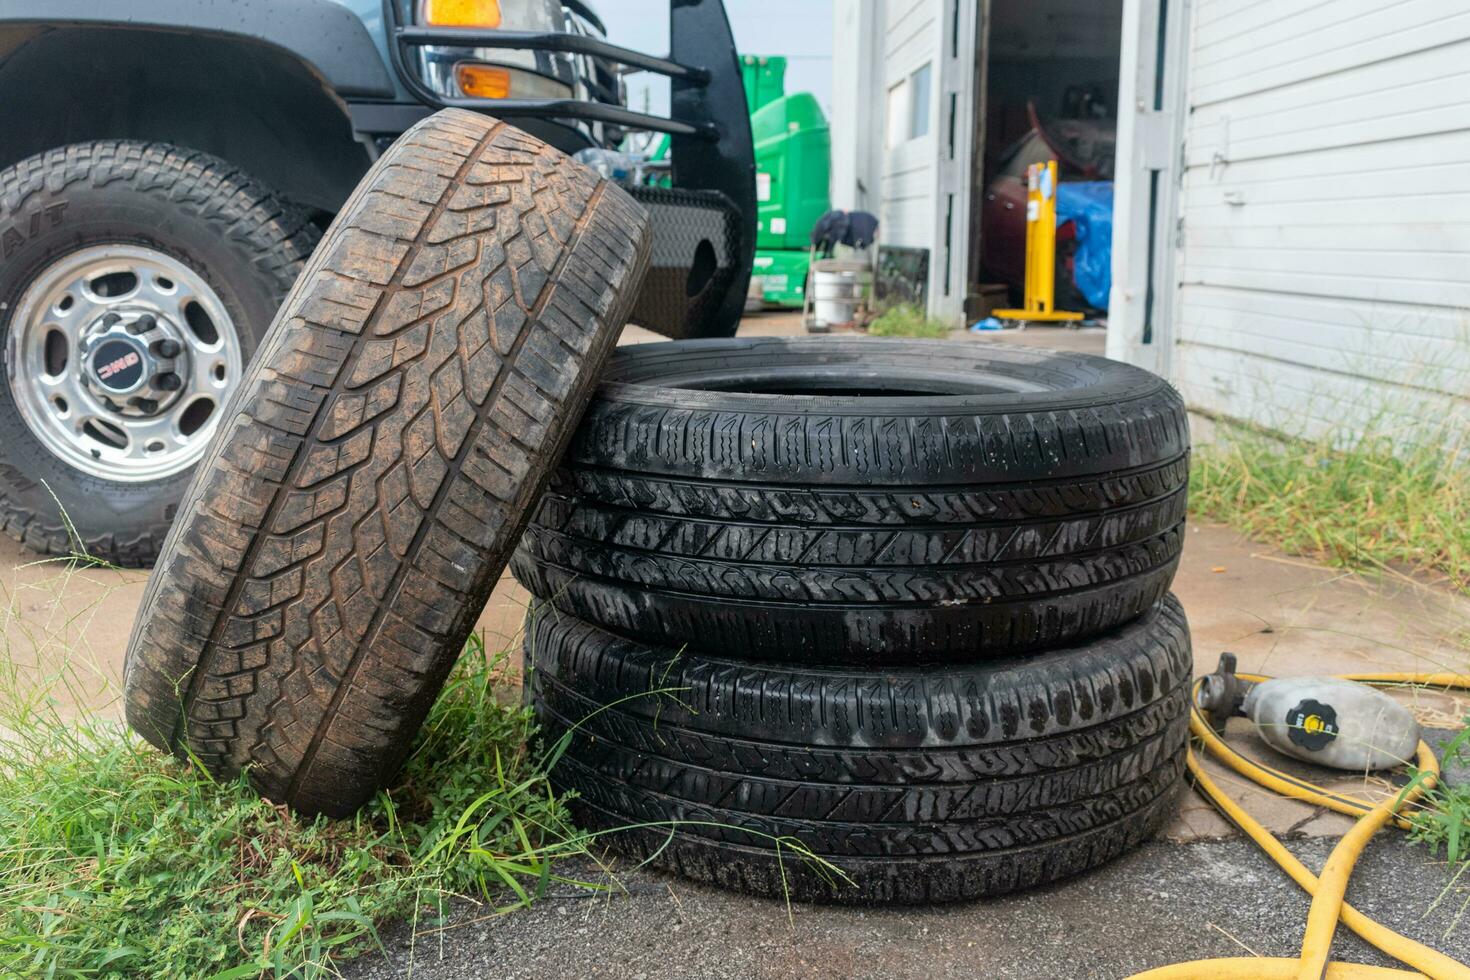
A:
1161	904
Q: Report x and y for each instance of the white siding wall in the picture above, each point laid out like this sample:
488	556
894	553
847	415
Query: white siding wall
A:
910	32
919	187
1324	271
857	142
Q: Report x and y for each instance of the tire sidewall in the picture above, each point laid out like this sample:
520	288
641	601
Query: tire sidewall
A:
56	219
670	376
706	410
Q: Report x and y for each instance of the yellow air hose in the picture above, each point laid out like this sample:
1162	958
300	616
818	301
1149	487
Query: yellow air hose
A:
1327	890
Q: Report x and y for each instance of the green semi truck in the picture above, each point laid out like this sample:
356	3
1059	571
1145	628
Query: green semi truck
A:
793	162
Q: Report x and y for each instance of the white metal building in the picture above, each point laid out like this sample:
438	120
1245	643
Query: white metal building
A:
1292	190
902	111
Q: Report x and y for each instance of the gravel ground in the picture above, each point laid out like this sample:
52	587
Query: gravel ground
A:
1163	903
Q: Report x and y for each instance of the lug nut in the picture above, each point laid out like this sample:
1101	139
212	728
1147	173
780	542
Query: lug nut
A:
108	319
143	324
147	405
167	347
168	381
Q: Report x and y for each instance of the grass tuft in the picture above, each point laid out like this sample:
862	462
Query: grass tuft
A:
1364	502
115	860
118	861
1443	822
906	320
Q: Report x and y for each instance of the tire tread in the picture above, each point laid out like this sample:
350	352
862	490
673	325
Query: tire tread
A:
392	437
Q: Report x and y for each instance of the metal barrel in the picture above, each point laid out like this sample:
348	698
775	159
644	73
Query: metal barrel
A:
839	287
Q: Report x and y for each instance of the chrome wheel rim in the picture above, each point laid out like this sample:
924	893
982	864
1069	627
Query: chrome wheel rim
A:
120	358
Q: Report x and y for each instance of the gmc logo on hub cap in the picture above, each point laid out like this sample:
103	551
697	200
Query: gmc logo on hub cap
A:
112	367
118	365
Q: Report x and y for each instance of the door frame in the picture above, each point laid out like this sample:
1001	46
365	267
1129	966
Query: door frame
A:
1147	174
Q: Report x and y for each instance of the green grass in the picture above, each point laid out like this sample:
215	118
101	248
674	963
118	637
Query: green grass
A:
119	861
907	321
115	860
1443	822
1363	502
1366	503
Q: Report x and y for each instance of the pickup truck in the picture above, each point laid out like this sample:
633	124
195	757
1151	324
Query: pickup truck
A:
167	166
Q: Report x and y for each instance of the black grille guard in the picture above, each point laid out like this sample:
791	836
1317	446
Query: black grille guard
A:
710	145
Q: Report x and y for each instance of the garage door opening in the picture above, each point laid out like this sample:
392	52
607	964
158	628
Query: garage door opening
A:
1050	92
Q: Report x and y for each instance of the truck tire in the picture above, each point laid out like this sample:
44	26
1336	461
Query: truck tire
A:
858	500
388	445
921	784
123	230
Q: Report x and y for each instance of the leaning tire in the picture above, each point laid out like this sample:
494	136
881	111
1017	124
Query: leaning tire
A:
858	500
392	437
80	463
921	785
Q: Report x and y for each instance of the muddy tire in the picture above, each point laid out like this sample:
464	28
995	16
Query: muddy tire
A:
922	785
384	453
864	501
103	207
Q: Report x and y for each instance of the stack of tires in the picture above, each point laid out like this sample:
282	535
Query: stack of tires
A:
845	619
864	620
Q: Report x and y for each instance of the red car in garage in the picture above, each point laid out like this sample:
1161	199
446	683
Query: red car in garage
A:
1083	149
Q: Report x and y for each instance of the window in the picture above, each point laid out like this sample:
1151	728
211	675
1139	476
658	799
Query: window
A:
896	122
921	83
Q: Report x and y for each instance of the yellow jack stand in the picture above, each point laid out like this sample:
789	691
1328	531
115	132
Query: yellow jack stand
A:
1041	249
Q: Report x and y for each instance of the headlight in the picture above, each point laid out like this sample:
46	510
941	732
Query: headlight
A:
494	73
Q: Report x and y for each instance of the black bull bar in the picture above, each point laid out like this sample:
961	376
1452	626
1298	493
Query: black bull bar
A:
704	225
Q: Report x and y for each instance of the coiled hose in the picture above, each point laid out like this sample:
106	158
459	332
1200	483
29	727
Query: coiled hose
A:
1327	890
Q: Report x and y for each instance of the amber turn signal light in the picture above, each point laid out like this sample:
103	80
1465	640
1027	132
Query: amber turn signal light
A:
462	13
483	81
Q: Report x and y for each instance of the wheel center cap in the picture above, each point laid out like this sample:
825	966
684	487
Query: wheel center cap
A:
119	364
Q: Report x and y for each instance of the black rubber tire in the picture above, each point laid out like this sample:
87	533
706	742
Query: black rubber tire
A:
244	241
923	785
393	436
851	529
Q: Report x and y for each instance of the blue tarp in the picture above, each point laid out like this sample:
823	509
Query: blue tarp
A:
1090	205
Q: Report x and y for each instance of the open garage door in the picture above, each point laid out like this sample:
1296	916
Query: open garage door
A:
1050	93
1146	180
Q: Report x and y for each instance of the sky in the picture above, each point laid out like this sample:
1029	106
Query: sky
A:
799	29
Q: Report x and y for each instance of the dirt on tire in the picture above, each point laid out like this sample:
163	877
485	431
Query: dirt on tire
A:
380	461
